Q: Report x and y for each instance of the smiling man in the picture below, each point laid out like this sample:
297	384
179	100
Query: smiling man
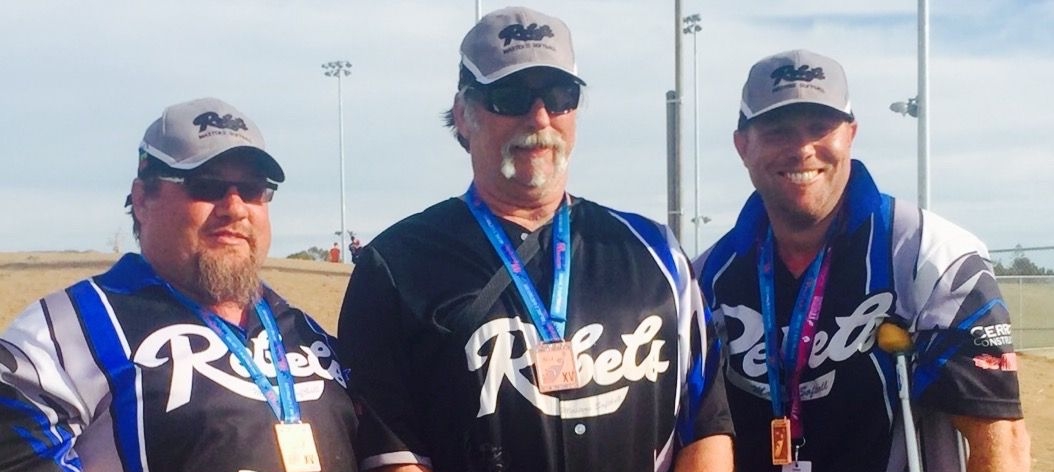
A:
521	328
180	358
817	261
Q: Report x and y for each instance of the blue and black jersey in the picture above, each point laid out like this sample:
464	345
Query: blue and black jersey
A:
890	262
113	374
450	376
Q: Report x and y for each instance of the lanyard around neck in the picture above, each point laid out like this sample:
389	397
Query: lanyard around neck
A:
283	402
801	331
549	321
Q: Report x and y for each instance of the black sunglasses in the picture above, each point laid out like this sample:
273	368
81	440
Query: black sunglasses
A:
204	189
517	100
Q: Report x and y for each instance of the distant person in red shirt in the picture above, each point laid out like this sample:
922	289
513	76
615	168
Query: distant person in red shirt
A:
334	253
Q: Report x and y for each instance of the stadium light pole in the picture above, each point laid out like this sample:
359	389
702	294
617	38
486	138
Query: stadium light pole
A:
340	69
920	105
673	132
692	27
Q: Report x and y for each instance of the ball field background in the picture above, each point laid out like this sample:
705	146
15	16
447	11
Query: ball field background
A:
318	288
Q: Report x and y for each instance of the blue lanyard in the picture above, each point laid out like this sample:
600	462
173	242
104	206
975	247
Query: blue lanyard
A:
283	402
803	321
550	322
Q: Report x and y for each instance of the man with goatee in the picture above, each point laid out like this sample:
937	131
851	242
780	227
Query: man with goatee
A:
181	357
519	327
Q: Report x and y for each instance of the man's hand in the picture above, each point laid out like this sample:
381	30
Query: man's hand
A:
710	454
995	445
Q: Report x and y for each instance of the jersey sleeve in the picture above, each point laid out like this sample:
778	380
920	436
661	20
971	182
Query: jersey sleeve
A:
965	364
705	411
41	410
369	340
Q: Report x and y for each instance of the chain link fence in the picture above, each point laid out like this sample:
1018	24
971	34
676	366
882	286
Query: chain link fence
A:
1030	299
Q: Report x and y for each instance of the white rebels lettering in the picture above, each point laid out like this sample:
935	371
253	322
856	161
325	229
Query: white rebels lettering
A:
608	368
856	333
185	361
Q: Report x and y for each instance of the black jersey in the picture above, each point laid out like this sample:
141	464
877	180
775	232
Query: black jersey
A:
447	370
113	374
890	260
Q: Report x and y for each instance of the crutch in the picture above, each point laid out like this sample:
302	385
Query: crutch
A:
895	340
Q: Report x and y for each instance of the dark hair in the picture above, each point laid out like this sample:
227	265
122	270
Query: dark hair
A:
150	186
150	168
465	80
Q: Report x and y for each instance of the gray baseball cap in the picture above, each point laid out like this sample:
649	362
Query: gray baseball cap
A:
512	39
791	77
192	133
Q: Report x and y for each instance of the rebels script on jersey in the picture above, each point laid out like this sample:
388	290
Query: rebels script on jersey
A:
113	374
889	260
455	386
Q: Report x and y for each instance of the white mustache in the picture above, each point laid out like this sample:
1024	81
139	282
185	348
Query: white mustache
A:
544	139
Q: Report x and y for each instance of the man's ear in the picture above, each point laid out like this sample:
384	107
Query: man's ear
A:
739	138
461	124
139	200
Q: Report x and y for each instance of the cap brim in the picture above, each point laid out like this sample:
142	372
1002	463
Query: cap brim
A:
264	161
509	75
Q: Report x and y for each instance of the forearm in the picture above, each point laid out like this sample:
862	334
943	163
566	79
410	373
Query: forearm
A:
995	445
710	454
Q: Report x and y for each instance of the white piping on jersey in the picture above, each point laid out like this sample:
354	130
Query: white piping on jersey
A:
885	387
867	258
684	293
140	429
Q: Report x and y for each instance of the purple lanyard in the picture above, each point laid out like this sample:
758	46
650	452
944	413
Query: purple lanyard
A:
800	333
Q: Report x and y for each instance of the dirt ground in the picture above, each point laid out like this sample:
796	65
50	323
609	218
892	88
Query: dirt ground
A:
318	288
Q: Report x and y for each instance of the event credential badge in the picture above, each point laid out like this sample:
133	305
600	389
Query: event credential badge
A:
297	446
554	367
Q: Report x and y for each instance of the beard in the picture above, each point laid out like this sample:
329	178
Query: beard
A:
542	139
224	275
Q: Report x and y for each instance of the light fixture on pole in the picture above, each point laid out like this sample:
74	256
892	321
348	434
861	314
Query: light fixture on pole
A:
910	107
340	69
692	27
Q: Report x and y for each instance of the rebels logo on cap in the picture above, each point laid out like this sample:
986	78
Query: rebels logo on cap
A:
790	74
214	120
530	33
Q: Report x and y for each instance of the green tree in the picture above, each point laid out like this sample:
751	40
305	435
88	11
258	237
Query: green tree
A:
313	253
1021	265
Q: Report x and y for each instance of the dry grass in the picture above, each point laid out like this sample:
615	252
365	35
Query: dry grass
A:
318	288
315	287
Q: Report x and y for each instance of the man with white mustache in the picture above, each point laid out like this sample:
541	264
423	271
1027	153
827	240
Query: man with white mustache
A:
818	260
521	328
179	358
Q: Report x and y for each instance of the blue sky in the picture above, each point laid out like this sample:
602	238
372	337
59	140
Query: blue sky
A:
82	80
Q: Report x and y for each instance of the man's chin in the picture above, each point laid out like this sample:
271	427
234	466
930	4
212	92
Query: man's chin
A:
229	274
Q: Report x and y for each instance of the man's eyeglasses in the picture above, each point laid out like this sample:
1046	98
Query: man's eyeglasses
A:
204	189
517	100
